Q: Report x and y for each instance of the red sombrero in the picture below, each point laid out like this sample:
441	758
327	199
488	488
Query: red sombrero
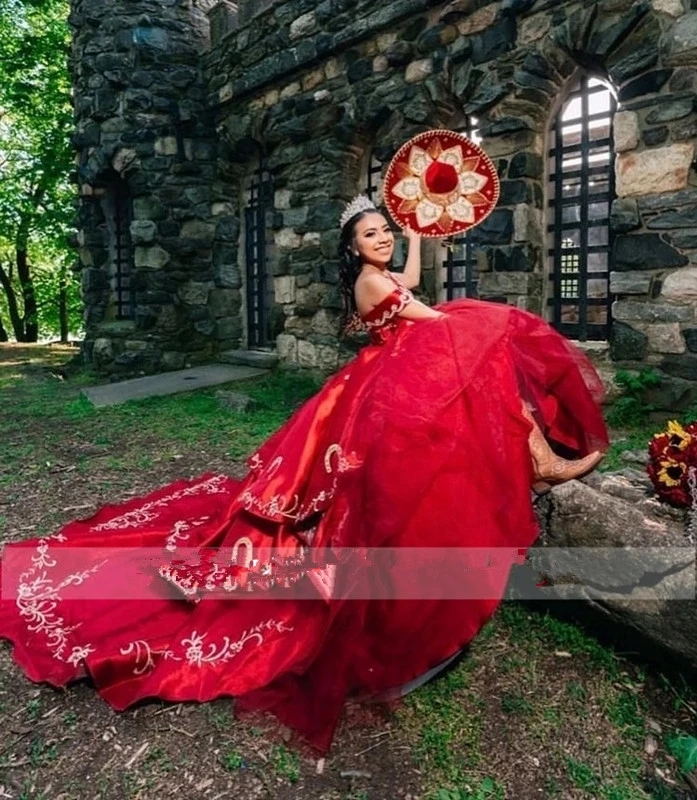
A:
440	183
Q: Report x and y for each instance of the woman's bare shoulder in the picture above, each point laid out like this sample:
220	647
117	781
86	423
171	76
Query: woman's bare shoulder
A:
372	283
371	289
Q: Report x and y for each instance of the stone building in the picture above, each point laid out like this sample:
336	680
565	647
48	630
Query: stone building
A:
217	143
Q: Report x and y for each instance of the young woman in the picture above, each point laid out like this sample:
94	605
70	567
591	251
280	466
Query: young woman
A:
367	246
370	541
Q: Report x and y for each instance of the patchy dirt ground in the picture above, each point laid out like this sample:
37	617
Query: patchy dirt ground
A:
535	709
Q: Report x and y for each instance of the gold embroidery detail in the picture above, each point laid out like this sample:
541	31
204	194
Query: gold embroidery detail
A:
404	298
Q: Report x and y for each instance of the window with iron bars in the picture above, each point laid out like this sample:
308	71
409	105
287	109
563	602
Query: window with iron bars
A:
258	283
460	260
581	190
117	218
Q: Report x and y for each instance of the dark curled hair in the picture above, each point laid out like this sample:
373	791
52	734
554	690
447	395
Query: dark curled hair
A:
349	268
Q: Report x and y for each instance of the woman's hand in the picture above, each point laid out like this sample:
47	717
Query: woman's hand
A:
411	235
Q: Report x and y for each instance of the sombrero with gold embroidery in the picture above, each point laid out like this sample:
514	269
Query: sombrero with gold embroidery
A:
440	183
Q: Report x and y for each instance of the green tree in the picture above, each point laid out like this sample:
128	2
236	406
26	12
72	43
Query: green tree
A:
35	164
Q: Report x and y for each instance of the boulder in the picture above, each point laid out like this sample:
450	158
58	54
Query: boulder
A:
609	547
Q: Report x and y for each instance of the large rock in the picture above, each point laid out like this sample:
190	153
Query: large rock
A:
660	169
680	44
622	552
684	218
626	131
303	25
627	343
151	257
666	337
630	282
284	289
674	8
635	310
624	215
672	395
681	286
645	251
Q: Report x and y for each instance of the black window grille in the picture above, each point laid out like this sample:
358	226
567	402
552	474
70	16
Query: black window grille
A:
121	273
460	268
460	260
582	187
259	284
373	187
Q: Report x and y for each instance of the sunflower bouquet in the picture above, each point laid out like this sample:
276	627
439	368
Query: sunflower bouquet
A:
672	468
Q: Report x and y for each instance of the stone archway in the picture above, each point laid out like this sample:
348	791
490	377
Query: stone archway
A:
514	96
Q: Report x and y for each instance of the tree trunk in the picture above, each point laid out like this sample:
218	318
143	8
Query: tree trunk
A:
63	303
15	319
3	333
31	317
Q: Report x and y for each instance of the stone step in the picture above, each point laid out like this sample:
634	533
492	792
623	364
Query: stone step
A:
182	380
264	359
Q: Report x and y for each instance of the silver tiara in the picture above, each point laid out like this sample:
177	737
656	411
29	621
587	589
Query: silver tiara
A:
358	204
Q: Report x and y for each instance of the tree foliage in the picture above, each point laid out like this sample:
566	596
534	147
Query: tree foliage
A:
36	198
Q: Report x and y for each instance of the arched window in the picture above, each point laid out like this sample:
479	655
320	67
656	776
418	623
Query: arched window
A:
459	266
117	211
258	280
581	189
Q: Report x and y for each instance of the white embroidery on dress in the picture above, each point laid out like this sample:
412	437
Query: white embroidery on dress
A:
79	654
277	505
245	542
343	464
188	586
144	656
274	466
149	511
315	504
38	598
404	298
196	652
181	532
227	650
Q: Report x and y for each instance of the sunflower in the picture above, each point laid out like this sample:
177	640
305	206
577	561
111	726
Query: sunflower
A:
678	436
671	473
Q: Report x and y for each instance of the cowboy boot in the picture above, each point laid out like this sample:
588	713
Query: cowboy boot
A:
551	469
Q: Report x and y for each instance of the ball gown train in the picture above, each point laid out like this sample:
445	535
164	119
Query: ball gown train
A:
419	442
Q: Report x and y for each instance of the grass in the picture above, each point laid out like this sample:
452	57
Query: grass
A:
587	716
286	763
55	411
233	760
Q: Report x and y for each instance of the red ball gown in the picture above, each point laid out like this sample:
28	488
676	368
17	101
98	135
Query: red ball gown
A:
371	539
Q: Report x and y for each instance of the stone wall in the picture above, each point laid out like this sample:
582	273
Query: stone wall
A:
319	85
313	88
141	119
